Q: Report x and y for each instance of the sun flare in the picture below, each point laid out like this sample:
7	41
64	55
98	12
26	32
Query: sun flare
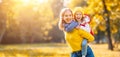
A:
40	1
36	1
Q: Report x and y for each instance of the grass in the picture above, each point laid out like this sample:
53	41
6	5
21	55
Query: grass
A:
101	50
51	50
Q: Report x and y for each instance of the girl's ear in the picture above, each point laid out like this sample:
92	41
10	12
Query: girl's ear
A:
83	16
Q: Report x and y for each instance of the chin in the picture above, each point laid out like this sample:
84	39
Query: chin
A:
69	22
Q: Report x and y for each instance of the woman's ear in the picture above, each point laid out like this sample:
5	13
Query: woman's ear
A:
62	20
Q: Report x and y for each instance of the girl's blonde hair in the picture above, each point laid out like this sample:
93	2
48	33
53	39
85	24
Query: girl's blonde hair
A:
61	21
78	9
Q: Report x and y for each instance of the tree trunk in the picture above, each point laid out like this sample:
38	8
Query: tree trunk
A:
106	15
2	22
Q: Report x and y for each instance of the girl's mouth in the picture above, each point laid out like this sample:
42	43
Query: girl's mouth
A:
78	17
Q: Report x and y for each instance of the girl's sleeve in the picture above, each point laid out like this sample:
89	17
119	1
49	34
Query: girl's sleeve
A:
71	26
88	28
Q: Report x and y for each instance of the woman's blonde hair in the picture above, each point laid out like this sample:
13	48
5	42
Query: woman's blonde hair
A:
61	21
63	12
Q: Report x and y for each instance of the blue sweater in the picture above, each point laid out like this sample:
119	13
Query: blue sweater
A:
70	26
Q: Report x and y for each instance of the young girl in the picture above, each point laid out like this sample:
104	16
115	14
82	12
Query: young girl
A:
83	21
74	37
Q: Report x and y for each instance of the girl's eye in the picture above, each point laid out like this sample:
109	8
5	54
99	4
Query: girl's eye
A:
78	14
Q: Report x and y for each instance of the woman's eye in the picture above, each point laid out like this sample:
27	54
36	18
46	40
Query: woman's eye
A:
66	15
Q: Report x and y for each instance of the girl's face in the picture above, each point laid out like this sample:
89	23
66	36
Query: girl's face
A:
67	17
78	16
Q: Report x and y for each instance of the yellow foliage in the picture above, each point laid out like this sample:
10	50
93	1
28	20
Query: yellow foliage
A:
96	20
114	29
74	3
21	55
46	33
2	54
102	27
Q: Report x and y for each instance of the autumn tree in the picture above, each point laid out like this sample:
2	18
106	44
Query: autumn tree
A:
3	20
27	21
96	9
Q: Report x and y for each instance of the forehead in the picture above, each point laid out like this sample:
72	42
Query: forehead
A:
78	12
67	12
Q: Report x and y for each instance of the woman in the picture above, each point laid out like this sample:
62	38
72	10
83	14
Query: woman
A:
75	36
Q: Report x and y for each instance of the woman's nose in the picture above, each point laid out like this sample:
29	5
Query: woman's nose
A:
69	17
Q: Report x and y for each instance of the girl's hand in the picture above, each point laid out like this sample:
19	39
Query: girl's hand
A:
77	27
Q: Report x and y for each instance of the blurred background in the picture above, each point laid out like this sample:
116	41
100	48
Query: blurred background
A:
36	21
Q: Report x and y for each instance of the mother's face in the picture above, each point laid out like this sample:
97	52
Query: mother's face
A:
67	17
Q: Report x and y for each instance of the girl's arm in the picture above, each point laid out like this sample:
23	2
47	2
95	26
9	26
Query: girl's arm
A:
71	26
86	27
67	27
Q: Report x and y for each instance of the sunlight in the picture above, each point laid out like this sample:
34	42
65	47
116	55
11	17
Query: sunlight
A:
66	2
35	9
25	2
40	1
0	1
35	2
